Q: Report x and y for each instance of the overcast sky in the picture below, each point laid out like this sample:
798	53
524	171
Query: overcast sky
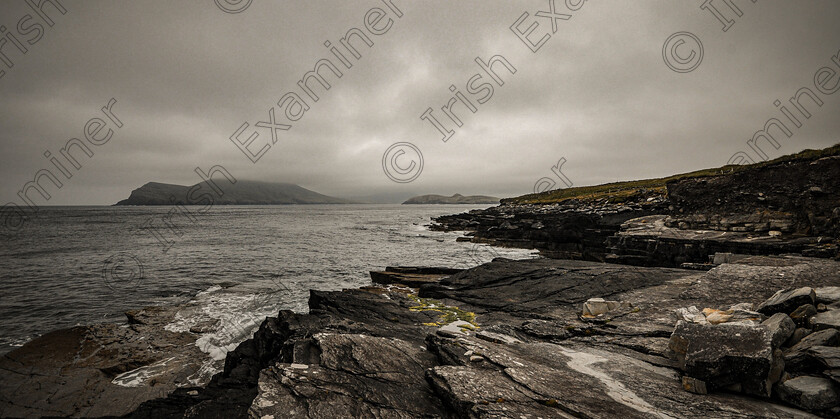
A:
186	75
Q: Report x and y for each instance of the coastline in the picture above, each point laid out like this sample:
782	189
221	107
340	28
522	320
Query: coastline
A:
358	350
698	287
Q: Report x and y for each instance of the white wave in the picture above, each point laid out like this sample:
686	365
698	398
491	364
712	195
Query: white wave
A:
224	319
138	376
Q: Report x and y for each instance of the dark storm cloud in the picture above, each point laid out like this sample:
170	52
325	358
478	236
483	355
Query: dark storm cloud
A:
186	75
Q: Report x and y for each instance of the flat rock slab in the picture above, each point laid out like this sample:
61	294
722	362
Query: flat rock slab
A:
826	320
357	376
812	393
72	372
411	276
548	380
828	295
409	280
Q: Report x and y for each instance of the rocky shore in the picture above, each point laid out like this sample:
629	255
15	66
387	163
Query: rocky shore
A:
706	295
545	338
790	205
531	338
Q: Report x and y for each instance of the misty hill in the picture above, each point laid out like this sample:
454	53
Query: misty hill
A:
243	192
454	199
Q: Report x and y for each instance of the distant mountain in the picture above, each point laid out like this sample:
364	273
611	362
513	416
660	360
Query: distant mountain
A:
381	197
243	192
454	199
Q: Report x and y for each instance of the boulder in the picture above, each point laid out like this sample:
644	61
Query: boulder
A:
802	314
721	258
827	295
726	354
800	358
827	356
797	336
781	327
826	320
834	375
777	369
740	314
597	306
827	337
811	393
786	301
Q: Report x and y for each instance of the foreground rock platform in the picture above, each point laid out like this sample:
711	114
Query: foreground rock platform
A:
99	370
516	346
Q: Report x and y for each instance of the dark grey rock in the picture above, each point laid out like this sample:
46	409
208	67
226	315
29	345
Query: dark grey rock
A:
786	301
803	314
561	365
781	327
827	356
578	380
828	295
810	393
726	354
826	320
496	337
71	372
799	357
834	375
358	376
827	337
797	336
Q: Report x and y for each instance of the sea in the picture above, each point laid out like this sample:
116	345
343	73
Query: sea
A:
234	265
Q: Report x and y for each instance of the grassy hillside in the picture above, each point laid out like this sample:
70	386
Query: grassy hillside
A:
623	191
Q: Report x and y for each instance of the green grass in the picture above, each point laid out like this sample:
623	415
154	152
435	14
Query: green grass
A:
617	192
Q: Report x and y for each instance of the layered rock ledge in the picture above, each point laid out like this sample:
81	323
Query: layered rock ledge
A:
505	339
789	205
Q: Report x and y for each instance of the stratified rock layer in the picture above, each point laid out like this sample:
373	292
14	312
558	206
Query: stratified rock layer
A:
378	352
786	206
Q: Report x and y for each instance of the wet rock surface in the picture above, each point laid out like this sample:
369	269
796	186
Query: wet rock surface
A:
505	339
99	370
519	347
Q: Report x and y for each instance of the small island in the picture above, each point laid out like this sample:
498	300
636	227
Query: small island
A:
243	192
454	199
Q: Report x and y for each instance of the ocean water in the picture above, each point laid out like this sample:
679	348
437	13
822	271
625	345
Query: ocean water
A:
232	265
